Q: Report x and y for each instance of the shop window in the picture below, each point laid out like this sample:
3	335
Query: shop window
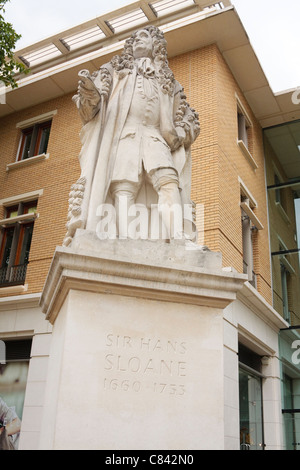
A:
34	140
16	236
289	355
13	380
250	400
291	412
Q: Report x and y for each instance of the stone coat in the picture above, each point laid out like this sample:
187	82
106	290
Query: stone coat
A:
110	142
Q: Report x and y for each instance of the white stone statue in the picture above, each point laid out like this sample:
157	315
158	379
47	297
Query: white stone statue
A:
136	140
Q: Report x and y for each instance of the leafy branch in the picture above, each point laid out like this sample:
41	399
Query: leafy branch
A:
9	67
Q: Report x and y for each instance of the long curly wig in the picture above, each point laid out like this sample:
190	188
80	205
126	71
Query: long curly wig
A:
125	61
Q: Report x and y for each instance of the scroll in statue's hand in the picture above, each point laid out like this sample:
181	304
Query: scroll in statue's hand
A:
175	137
179	138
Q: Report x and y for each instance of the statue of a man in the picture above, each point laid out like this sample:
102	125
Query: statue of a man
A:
137	134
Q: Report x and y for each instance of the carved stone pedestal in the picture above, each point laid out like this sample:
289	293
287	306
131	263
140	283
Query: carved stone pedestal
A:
137	348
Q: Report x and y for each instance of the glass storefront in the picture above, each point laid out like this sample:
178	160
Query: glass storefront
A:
282	162
289	349
282	157
13	380
251	400
251	422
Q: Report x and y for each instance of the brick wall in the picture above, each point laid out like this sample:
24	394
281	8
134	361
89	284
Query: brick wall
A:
217	164
197	73
55	176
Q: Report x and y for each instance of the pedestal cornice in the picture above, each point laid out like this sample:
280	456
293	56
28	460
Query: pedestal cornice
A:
151	270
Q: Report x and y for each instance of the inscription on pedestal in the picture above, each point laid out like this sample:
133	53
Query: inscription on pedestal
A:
145	364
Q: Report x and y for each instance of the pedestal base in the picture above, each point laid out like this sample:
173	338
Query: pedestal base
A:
137	359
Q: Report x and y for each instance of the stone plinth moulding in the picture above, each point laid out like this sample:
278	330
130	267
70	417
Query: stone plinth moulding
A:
137	346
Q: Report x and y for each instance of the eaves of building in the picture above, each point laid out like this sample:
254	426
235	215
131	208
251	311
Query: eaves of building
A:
55	62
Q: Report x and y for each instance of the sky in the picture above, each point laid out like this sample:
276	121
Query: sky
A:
272	27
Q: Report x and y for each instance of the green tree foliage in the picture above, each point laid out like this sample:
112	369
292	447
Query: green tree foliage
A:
8	38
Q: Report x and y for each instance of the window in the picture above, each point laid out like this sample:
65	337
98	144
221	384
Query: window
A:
250	400
243	129
291	413
17	230
13	382
244	125
250	225
247	236
286	273
280	193
285	278
34	140
290	381
244	140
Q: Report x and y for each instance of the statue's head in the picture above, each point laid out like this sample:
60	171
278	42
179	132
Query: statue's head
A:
147	42
142	45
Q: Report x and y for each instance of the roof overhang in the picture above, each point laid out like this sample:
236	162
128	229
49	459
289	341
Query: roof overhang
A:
194	28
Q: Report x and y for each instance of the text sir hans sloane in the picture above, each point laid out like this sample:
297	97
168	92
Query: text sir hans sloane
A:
127	362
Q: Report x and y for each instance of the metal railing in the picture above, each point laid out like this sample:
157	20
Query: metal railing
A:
13	275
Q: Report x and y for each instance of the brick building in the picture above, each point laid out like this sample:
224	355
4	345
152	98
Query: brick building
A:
246	171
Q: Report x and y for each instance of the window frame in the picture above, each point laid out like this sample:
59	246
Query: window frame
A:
250	223
245	143
250	364
3	244
247	244
21	240
243	128
286	273
245	122
36	132
18	225
284	279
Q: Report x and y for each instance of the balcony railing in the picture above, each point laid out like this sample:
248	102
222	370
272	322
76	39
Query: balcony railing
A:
13	275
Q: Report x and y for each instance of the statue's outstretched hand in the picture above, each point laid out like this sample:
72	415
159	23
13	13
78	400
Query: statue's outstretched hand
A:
86	87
